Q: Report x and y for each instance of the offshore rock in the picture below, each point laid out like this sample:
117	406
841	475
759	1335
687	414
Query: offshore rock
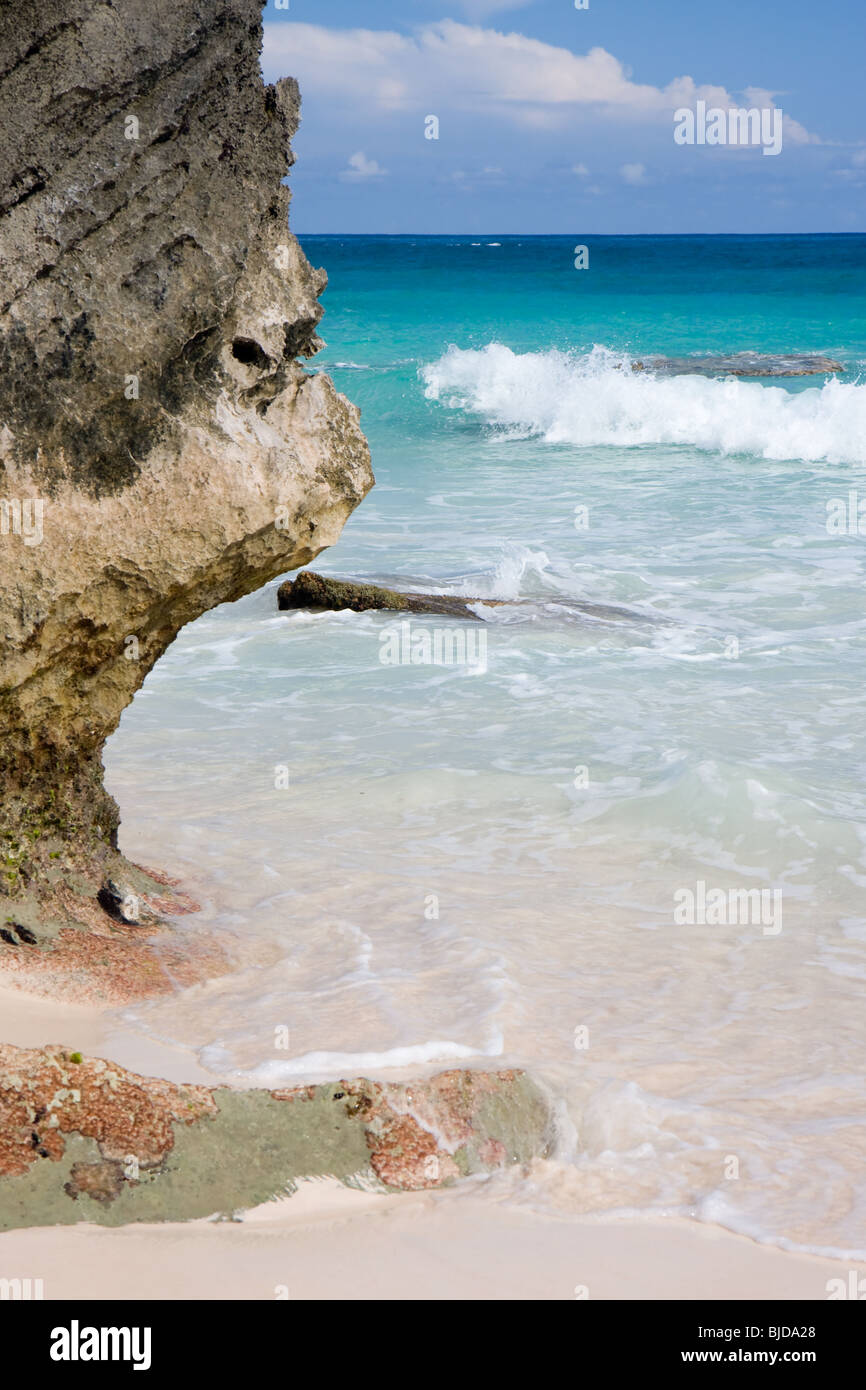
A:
310	590
162	449
82	1139
763	364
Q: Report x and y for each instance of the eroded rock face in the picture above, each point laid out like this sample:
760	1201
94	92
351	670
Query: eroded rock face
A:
162	448
82	1139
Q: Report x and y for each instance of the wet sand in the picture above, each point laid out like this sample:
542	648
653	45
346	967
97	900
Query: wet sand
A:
329	1242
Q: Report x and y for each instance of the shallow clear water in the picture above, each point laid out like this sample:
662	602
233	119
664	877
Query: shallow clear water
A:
485	860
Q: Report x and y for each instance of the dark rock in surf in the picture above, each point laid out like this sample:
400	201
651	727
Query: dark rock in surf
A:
311	590
742	364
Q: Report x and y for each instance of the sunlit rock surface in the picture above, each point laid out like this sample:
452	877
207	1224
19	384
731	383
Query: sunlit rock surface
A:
162	447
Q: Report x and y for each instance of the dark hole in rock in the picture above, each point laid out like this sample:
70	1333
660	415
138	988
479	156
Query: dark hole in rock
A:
247	350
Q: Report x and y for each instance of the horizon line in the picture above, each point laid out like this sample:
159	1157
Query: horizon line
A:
510	235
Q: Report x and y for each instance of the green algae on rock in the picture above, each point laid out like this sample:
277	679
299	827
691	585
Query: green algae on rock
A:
82	1139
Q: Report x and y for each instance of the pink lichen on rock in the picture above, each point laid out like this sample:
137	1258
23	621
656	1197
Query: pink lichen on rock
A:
49	1093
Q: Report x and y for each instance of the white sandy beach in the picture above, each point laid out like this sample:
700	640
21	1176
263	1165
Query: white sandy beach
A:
30	1021
330	1242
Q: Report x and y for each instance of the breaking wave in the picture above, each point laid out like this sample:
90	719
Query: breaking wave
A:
596	398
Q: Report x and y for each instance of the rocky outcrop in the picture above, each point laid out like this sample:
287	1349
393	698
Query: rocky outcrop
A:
309	590
162	447
82	1139
763	364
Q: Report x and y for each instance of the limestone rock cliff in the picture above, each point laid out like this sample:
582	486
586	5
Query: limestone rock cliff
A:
162	447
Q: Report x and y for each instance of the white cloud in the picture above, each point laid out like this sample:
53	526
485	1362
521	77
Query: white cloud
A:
857	173
360	167
467	67
792	131
633	173
580	169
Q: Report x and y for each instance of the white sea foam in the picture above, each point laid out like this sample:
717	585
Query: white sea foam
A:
329	1064
596	398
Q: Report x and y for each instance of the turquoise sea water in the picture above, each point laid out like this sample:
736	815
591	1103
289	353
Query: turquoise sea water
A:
476	862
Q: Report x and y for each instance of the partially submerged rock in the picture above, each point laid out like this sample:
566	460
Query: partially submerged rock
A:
309	590
743	364
82	1139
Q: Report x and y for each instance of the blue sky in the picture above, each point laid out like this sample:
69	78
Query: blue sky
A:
553	119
